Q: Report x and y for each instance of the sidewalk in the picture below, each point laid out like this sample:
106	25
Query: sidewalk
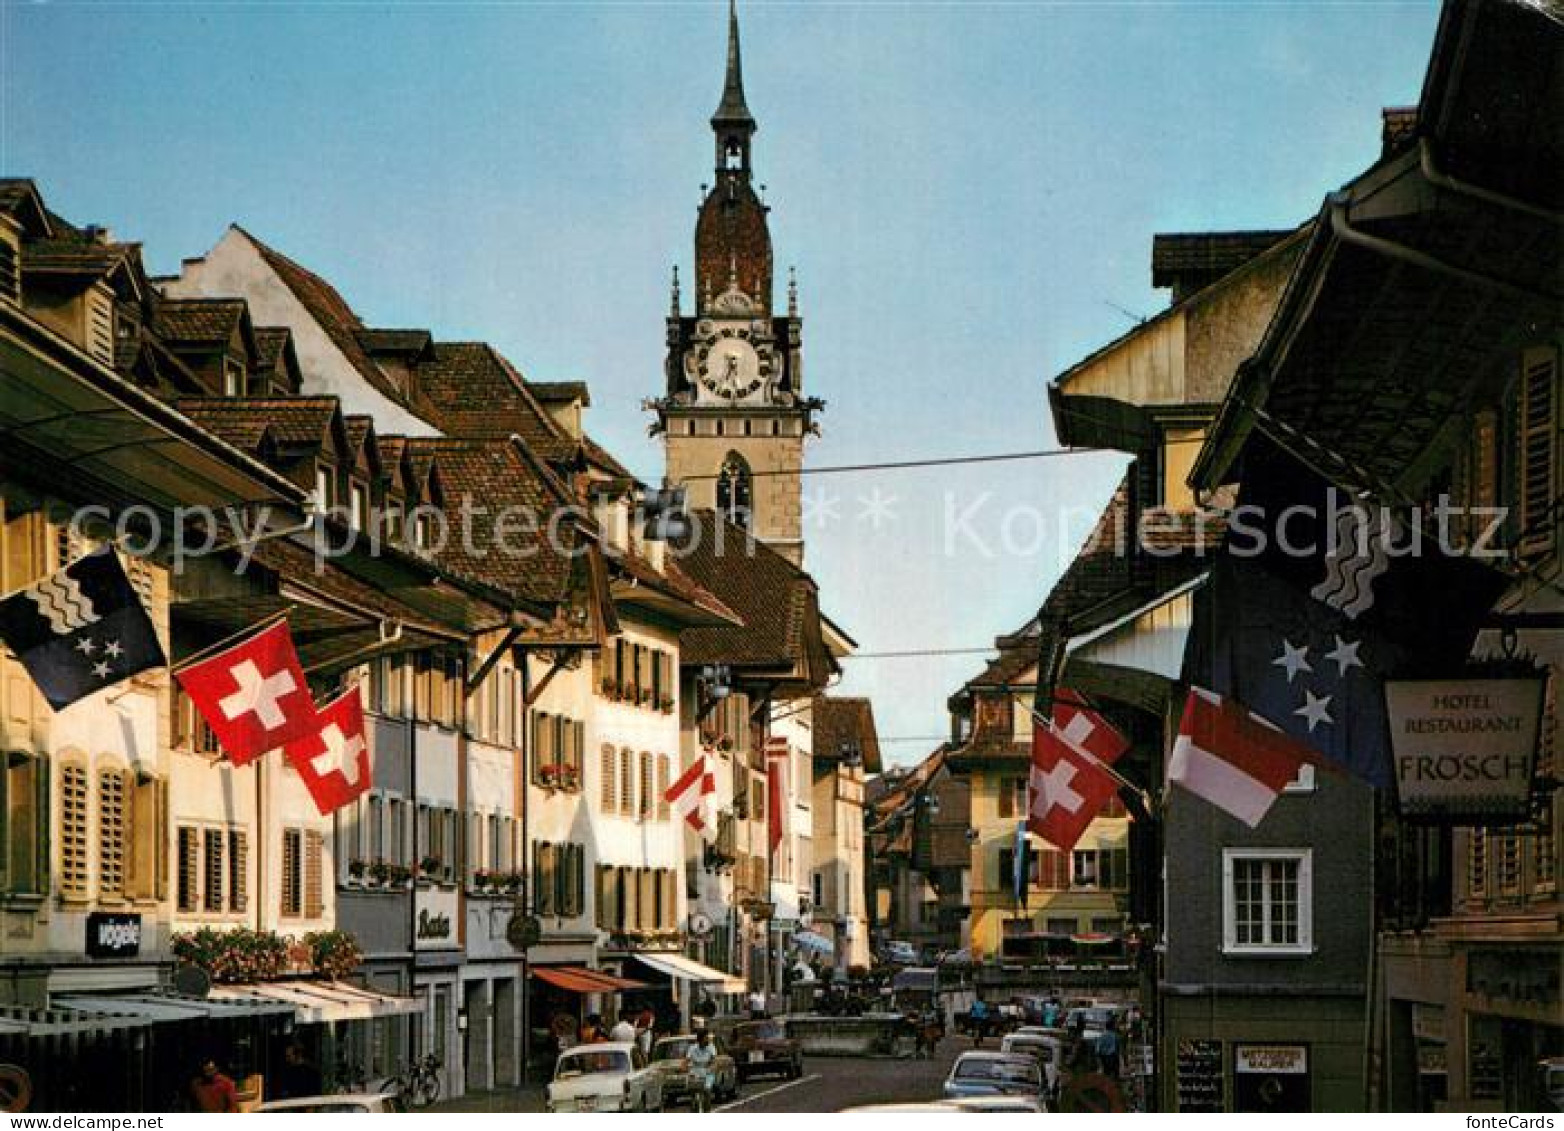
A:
502	1099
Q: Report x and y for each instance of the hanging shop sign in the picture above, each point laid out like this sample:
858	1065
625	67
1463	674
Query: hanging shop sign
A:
113	936
1464	749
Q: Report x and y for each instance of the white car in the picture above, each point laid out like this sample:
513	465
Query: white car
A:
607	1076
359	1103
1046	1047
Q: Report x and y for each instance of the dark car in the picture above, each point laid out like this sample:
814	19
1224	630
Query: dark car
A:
761	1047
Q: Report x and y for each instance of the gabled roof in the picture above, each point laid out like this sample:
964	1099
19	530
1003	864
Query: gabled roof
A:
291	422
334	316
561	392
199	320
497	543
404	343
475	392
848	722
20	199
777	601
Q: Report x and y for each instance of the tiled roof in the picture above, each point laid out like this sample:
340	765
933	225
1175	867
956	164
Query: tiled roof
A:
291	421
270	342
77	255
328	308
671	579
845	721
1210	254
474	392
557	392
503	489
197	319
603	460
773	596
379	341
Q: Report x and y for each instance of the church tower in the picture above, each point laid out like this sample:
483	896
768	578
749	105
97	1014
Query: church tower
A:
734	416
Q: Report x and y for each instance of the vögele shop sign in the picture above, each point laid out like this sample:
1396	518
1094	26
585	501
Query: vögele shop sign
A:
1464	749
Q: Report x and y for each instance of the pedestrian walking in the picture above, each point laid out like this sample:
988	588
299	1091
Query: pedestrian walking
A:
1108	1049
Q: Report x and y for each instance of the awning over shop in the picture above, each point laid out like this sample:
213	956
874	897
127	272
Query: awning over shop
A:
813	940
156	1008
580	980
315	1002
24	1022
683	969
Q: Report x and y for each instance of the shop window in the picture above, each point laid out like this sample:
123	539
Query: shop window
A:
1267	901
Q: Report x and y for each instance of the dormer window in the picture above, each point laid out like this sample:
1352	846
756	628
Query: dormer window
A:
421	532
358	505
233	378
323	492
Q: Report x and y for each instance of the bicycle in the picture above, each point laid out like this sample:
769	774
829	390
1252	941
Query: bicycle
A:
418	1084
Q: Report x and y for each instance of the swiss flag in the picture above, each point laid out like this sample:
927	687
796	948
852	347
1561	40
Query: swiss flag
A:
253	694
1234	758
688	796
334	760
1068	786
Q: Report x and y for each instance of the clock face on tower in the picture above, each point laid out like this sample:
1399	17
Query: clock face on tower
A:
728	362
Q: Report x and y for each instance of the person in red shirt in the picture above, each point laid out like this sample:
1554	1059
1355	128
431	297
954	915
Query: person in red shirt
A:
213	1091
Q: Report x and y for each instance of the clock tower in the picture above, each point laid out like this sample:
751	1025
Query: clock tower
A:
734	416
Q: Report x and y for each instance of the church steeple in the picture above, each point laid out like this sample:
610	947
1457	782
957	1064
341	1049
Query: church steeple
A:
733	124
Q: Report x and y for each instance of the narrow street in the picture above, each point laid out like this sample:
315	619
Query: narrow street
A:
837	1083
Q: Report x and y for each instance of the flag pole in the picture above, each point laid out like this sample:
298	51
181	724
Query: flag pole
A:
1094	760
264	623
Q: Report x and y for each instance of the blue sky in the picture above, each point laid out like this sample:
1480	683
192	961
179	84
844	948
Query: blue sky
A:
967	190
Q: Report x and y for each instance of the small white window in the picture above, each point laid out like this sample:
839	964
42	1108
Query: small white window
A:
358	502
1267	901
322	489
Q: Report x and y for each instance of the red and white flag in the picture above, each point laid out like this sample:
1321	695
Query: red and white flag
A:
334	760
776	789
1232	757
688	796
1068	786
253	694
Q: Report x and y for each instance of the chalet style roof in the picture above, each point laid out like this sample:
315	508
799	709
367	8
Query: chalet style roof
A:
846	721
475	392
777	601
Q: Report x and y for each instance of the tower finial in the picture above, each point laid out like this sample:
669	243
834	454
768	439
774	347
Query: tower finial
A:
792	292
733	123
674	303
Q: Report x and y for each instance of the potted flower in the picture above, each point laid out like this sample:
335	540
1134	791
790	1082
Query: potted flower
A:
357	870
333	954
569	777
513	882
431	868
549	775
725	744
665	704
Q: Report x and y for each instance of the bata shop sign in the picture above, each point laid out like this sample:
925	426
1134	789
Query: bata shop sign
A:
434	919
1464	749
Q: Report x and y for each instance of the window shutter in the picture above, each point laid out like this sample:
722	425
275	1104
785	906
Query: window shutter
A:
291	867
626	783
73	831
610	796
542	885
189	869
663	811
238	871
579	728
314	887
113	801
213	870
1537	444
648	800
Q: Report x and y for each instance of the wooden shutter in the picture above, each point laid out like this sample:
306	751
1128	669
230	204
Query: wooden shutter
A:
542	882
113	805
578	728
292	896
610	763
663	768
626	783
212	869
189	886
238	871
73	831
648	797
314	876
1537	441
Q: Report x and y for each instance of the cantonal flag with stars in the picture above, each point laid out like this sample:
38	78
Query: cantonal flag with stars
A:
252	693
1068	787
334	761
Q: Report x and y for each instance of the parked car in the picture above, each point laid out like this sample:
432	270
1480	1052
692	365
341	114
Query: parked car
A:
761	1047
967	1104
1047	1049
994	1073
668	1062
607	1076
358	1103
899	953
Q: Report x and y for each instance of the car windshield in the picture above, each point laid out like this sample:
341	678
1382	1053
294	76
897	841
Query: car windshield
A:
591	1061
1039	1049
770	1031
1004	1071
673	1050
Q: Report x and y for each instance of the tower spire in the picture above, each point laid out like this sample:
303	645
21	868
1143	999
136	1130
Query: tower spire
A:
733	124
